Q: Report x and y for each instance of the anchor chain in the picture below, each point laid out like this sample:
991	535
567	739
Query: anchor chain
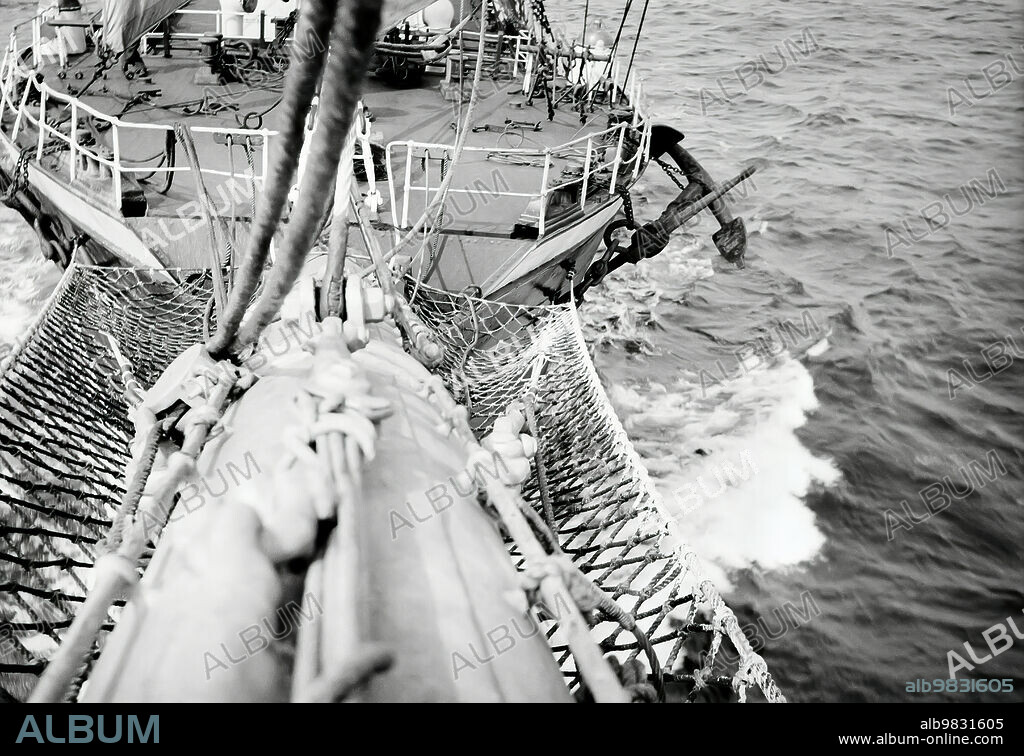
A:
541	13
19	176
672	172
627	211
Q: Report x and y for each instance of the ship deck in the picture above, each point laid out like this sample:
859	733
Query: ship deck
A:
423	114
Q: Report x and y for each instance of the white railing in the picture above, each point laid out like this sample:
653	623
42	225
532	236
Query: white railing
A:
518	55
412	148
232	24
593	149
115	165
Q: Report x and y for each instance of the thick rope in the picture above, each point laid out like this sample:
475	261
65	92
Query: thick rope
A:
354	32
316	20
331	294
141	467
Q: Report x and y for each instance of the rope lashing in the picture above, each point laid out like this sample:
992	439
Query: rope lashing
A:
316	17
345	433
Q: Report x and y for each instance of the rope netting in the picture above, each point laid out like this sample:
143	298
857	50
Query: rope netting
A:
64	448
64	442
608	517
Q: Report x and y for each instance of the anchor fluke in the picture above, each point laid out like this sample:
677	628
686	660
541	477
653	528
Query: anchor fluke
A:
731	241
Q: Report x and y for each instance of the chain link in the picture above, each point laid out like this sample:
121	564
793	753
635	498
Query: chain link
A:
541	13
19	176
627	206
672	172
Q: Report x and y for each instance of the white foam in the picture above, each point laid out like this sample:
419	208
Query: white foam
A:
622	311
726	459
730	467
818	349
25	279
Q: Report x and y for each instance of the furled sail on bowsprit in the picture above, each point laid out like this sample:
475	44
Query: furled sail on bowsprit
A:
125	21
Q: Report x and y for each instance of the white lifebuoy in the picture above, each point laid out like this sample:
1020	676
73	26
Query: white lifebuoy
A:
239	23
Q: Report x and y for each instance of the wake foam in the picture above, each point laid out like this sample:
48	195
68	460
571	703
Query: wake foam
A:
726	460
26	279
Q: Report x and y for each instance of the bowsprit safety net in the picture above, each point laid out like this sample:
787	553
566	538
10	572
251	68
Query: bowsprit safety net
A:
64	442
65	435
594	490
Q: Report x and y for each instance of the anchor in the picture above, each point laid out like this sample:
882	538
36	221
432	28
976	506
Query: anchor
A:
691	201
731	237
625	243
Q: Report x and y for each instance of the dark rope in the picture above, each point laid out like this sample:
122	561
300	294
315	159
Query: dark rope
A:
636	42
317	18
355	30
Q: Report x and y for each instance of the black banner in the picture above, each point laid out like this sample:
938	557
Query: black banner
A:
664	726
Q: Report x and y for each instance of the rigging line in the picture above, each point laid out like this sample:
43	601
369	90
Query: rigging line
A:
466	18
210	214
353	36
442	191
611	58
583	44
431	236
316	18
636	42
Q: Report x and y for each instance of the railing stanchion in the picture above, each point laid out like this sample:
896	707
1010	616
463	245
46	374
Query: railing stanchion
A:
37	40
642	149
74	141
389	166
544	193
586	174
21	110
408	181
8	75
41	124
116	172
617	165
